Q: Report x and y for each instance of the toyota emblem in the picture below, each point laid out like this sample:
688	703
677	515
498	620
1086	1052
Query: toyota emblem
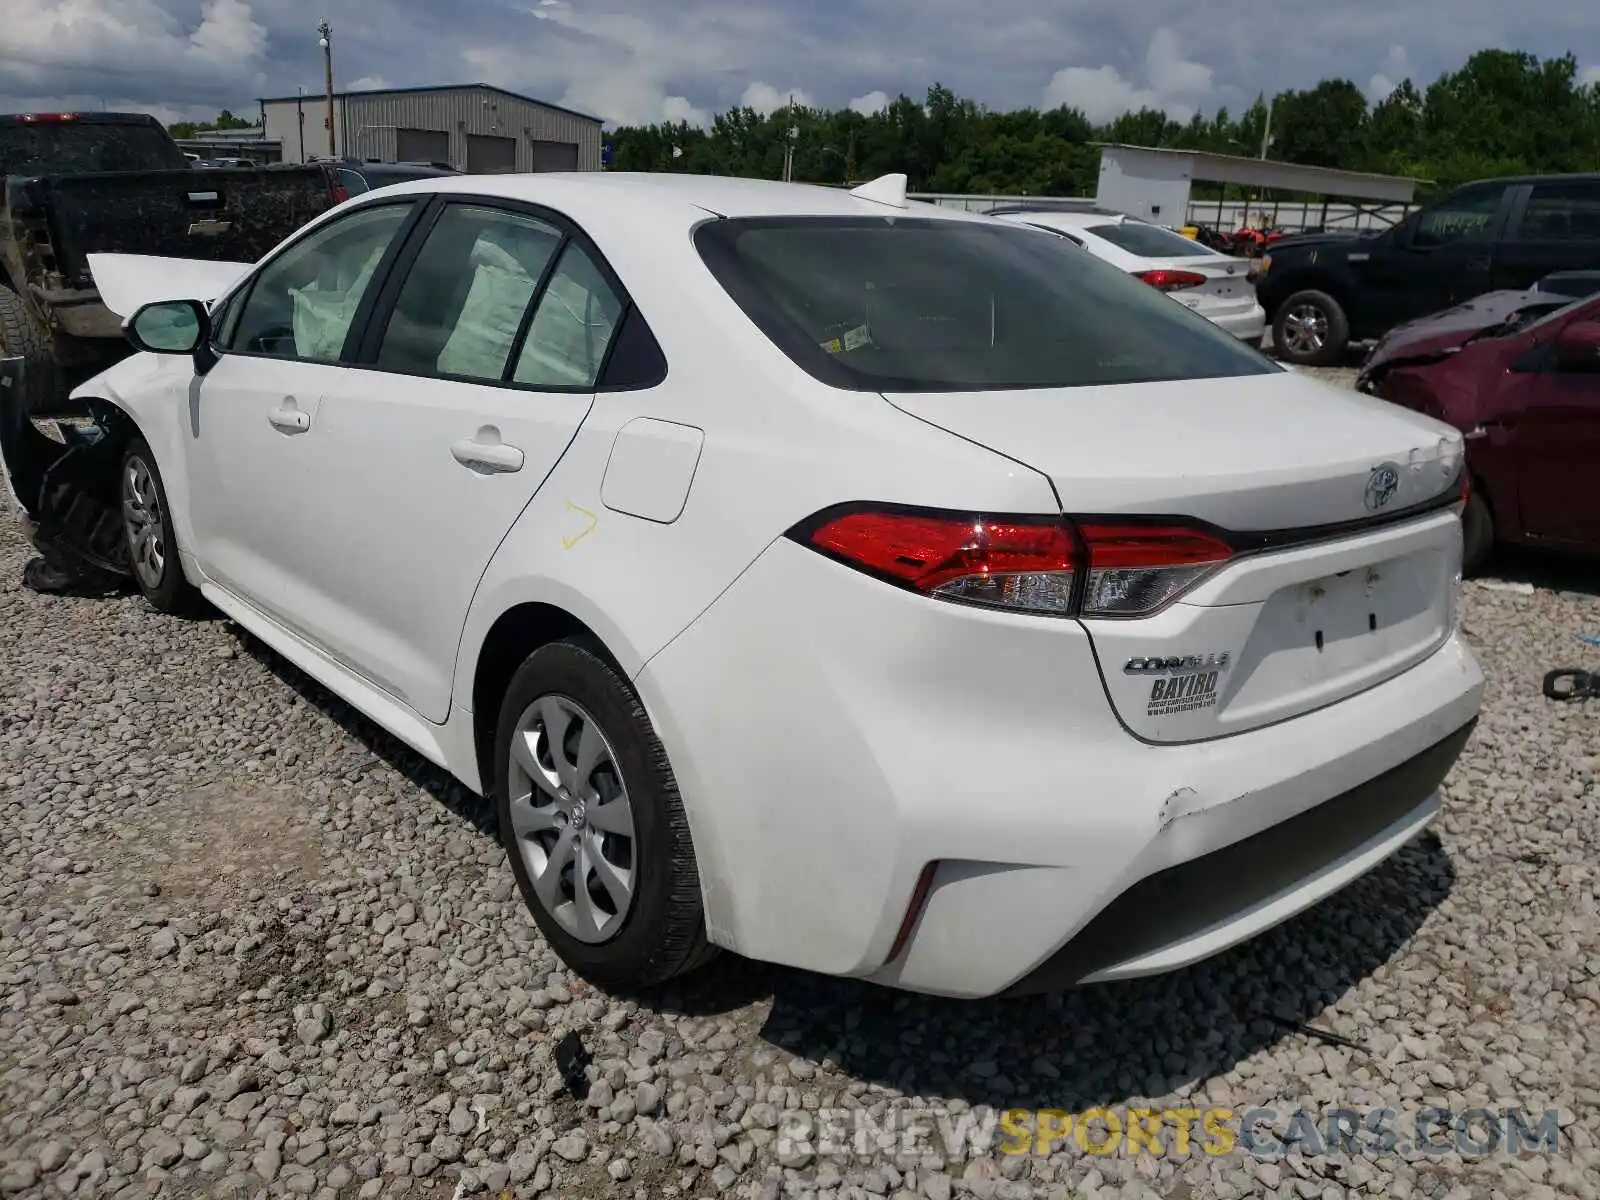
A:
1382	484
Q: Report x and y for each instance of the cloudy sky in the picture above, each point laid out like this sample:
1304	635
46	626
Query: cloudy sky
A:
645	60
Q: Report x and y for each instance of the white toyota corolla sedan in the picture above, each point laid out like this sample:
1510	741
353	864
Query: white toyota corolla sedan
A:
1215	285
874	588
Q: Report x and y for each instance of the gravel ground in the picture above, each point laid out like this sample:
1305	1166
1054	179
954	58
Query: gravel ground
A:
253	947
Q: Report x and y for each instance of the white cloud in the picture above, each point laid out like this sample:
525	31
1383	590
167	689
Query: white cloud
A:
1174	84
643	61
1379	87
368	83
871	104
129	46
766	99
1590	74
676	108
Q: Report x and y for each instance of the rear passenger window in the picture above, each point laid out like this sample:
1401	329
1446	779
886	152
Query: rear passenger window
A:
465	297
1562	212
572	326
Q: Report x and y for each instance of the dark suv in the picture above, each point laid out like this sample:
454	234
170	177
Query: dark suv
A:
352	176
1323	291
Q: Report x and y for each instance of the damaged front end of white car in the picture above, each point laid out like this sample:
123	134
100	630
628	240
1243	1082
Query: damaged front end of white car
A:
61	446
59	459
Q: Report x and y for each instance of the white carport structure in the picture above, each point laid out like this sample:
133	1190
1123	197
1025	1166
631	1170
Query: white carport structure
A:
1154	183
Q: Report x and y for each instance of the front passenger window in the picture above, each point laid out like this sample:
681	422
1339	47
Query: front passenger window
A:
1465	216
303	303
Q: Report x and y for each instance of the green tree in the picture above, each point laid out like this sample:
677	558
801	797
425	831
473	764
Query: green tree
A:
1500	112
1322	127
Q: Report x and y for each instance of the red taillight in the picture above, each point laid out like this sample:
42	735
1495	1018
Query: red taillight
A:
1465	492
340	193
1136	569
53	117
1022	563
1165	280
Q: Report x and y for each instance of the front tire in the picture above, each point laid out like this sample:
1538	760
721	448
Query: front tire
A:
147	529
592	823
1310	329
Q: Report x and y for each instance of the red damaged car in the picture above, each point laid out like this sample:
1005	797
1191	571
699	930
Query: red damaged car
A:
1519	374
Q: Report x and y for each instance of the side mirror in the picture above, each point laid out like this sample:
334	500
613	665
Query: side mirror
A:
169	327
1401	236
1578	346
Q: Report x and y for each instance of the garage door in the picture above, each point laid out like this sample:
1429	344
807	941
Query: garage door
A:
555	156
488	155
422	145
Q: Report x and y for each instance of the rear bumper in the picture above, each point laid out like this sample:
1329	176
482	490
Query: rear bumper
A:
833	738
1249	326
1190	911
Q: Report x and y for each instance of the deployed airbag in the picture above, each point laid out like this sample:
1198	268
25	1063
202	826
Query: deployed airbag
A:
481	341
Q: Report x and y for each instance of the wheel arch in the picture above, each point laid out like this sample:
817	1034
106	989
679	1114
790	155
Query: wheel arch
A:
1308	279
70	487
516	633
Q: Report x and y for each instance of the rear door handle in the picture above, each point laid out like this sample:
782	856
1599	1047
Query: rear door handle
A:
1480	263
486	452
289	418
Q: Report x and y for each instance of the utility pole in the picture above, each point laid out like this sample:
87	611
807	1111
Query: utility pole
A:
790	133
1266	140
325	40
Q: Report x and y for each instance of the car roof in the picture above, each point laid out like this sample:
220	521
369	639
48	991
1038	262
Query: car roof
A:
672	194
416	170
1061	219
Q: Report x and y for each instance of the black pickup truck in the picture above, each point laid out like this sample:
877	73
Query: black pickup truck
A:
76	184
1324	291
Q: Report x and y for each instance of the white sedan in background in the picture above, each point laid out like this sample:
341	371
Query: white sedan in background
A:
854	584
1215	285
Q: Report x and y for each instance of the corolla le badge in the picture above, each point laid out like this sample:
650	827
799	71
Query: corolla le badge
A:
1382	484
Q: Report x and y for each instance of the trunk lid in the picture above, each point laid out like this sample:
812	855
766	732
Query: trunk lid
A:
1227	282
1326	595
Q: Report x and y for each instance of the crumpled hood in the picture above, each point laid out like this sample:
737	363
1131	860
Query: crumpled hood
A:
1451	328
127	282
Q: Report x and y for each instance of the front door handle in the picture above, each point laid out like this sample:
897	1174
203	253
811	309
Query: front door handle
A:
288	418
486	452
1480	263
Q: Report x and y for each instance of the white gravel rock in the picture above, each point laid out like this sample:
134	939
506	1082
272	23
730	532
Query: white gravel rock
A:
251	946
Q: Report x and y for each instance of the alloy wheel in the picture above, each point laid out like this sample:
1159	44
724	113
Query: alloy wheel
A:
141	517
572	818
1305	329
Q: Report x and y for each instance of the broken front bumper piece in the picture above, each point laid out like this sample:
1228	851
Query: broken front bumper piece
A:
59	475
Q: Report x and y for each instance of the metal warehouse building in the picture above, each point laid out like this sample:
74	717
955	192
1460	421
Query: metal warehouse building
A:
473	127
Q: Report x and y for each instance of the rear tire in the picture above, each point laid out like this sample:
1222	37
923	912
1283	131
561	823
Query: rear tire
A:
586	798
147	527
1310	329
1477	534
20	334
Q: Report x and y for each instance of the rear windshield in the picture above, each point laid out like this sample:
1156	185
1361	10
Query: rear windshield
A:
918	304
71	148
1148	241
